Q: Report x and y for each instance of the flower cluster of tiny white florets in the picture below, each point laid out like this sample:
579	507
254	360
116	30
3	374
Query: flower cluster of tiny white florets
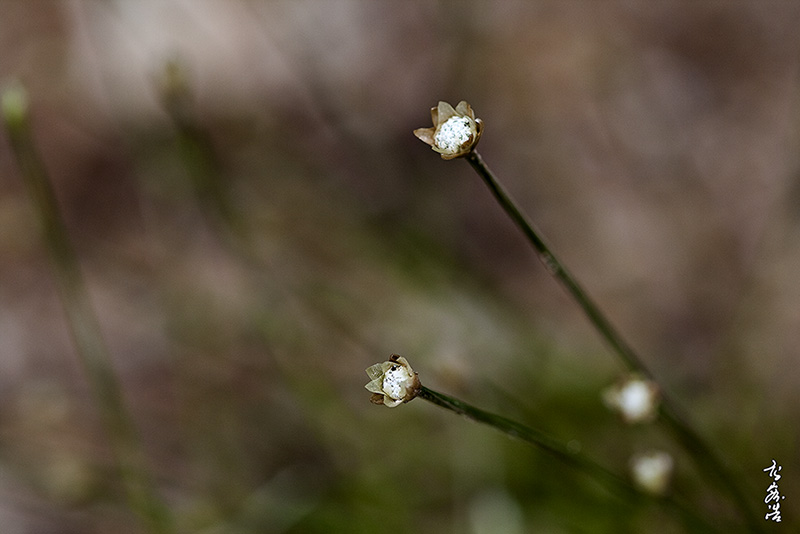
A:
453	134
392	382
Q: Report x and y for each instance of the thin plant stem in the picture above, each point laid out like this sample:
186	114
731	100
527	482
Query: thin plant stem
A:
563	452
141	495
700	451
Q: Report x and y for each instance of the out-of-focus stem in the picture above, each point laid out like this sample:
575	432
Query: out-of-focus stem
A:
706	459
198	153
142	497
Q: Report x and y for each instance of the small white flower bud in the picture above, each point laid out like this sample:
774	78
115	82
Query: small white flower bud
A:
455	131
636	399
392	382
652	471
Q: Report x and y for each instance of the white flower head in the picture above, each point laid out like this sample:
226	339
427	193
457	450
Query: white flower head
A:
392	382
635	398
455	131
652	471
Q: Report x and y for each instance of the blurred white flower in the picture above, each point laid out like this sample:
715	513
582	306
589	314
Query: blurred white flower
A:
635	398
392	382
495	511
455	131
652	471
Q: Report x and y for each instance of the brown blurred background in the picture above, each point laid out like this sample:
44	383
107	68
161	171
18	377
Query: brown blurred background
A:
655	145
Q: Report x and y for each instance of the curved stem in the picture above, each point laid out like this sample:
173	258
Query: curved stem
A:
703	455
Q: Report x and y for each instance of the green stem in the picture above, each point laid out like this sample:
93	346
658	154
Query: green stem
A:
557	269
703	455
561	451
529	435
83	324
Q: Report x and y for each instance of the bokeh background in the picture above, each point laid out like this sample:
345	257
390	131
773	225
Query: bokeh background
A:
257	225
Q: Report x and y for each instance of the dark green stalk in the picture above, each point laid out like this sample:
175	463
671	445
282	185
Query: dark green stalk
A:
561	451
557	269
534	437
83	324
703	455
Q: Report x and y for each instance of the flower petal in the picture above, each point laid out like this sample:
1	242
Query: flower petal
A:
425	134
465	109
375	371
391	403
445	112
375	386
